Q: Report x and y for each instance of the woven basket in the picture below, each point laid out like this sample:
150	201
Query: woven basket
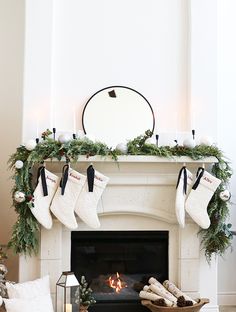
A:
194	308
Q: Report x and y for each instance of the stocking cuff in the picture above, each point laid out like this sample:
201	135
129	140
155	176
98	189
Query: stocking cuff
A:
210	181
51	178
76	177
100	180
189	177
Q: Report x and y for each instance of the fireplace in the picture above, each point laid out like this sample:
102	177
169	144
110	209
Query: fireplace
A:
117	264
140	196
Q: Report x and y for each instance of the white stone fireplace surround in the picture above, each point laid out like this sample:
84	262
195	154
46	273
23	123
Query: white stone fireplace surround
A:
140	196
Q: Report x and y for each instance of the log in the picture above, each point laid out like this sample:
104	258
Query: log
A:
154	297
174	290
160	290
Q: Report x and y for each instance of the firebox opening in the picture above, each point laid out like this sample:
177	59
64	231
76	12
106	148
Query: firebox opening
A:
117	264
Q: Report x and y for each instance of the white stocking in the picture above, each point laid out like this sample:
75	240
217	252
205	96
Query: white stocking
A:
199	197
63	204
183	187
86	206
43	195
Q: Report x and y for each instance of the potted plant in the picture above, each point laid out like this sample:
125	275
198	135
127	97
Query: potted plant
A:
83	295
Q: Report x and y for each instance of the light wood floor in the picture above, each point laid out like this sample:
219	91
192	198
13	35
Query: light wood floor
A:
228	309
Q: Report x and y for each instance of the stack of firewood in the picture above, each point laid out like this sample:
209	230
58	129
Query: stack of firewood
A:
166	294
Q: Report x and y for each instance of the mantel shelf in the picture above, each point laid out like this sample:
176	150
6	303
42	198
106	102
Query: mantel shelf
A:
143	159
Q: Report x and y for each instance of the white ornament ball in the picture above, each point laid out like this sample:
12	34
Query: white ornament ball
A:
90	137
1	301
19	164
80	134
190	143
19	197
122	147
30	145
64	138
206	140
172	143
151	141
222	166
225	195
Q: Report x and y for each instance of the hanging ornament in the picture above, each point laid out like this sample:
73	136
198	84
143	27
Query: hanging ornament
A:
151	141
19	197
222	165
206	140
225	195
64	138
190	143
19	164
30	145
122	147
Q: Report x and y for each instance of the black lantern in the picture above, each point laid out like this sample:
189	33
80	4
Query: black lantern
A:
68	284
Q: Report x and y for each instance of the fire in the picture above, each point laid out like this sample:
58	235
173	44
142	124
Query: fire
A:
116	283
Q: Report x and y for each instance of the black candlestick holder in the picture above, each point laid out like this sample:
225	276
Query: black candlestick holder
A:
157	140
54	133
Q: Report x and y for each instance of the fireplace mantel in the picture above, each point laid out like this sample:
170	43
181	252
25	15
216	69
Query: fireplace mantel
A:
142	159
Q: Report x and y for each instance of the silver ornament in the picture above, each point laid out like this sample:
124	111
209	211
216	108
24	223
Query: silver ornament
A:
19	197
206	140
30	145
64	138
3	269
19	164
122	147
225	195
151	141
190	143
222	166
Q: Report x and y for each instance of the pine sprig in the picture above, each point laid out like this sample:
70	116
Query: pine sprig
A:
83	294
215	240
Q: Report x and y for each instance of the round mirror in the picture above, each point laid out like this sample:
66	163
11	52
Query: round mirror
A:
117	114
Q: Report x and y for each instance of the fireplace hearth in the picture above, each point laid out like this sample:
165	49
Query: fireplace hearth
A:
117	264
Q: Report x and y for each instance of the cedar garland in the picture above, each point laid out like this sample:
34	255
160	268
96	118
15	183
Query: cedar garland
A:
25	237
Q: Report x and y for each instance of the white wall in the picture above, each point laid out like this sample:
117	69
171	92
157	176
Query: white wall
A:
11	90
136	43
166	49
226	130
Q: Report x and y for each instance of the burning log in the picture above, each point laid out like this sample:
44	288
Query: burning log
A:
116	283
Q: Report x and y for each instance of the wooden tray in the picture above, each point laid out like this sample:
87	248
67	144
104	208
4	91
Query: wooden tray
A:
194	308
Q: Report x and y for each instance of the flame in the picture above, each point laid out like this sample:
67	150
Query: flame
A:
116	283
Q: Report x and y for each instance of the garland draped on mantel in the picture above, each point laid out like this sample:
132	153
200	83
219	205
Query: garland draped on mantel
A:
25	237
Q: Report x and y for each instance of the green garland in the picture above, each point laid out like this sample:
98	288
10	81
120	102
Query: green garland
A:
215	240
